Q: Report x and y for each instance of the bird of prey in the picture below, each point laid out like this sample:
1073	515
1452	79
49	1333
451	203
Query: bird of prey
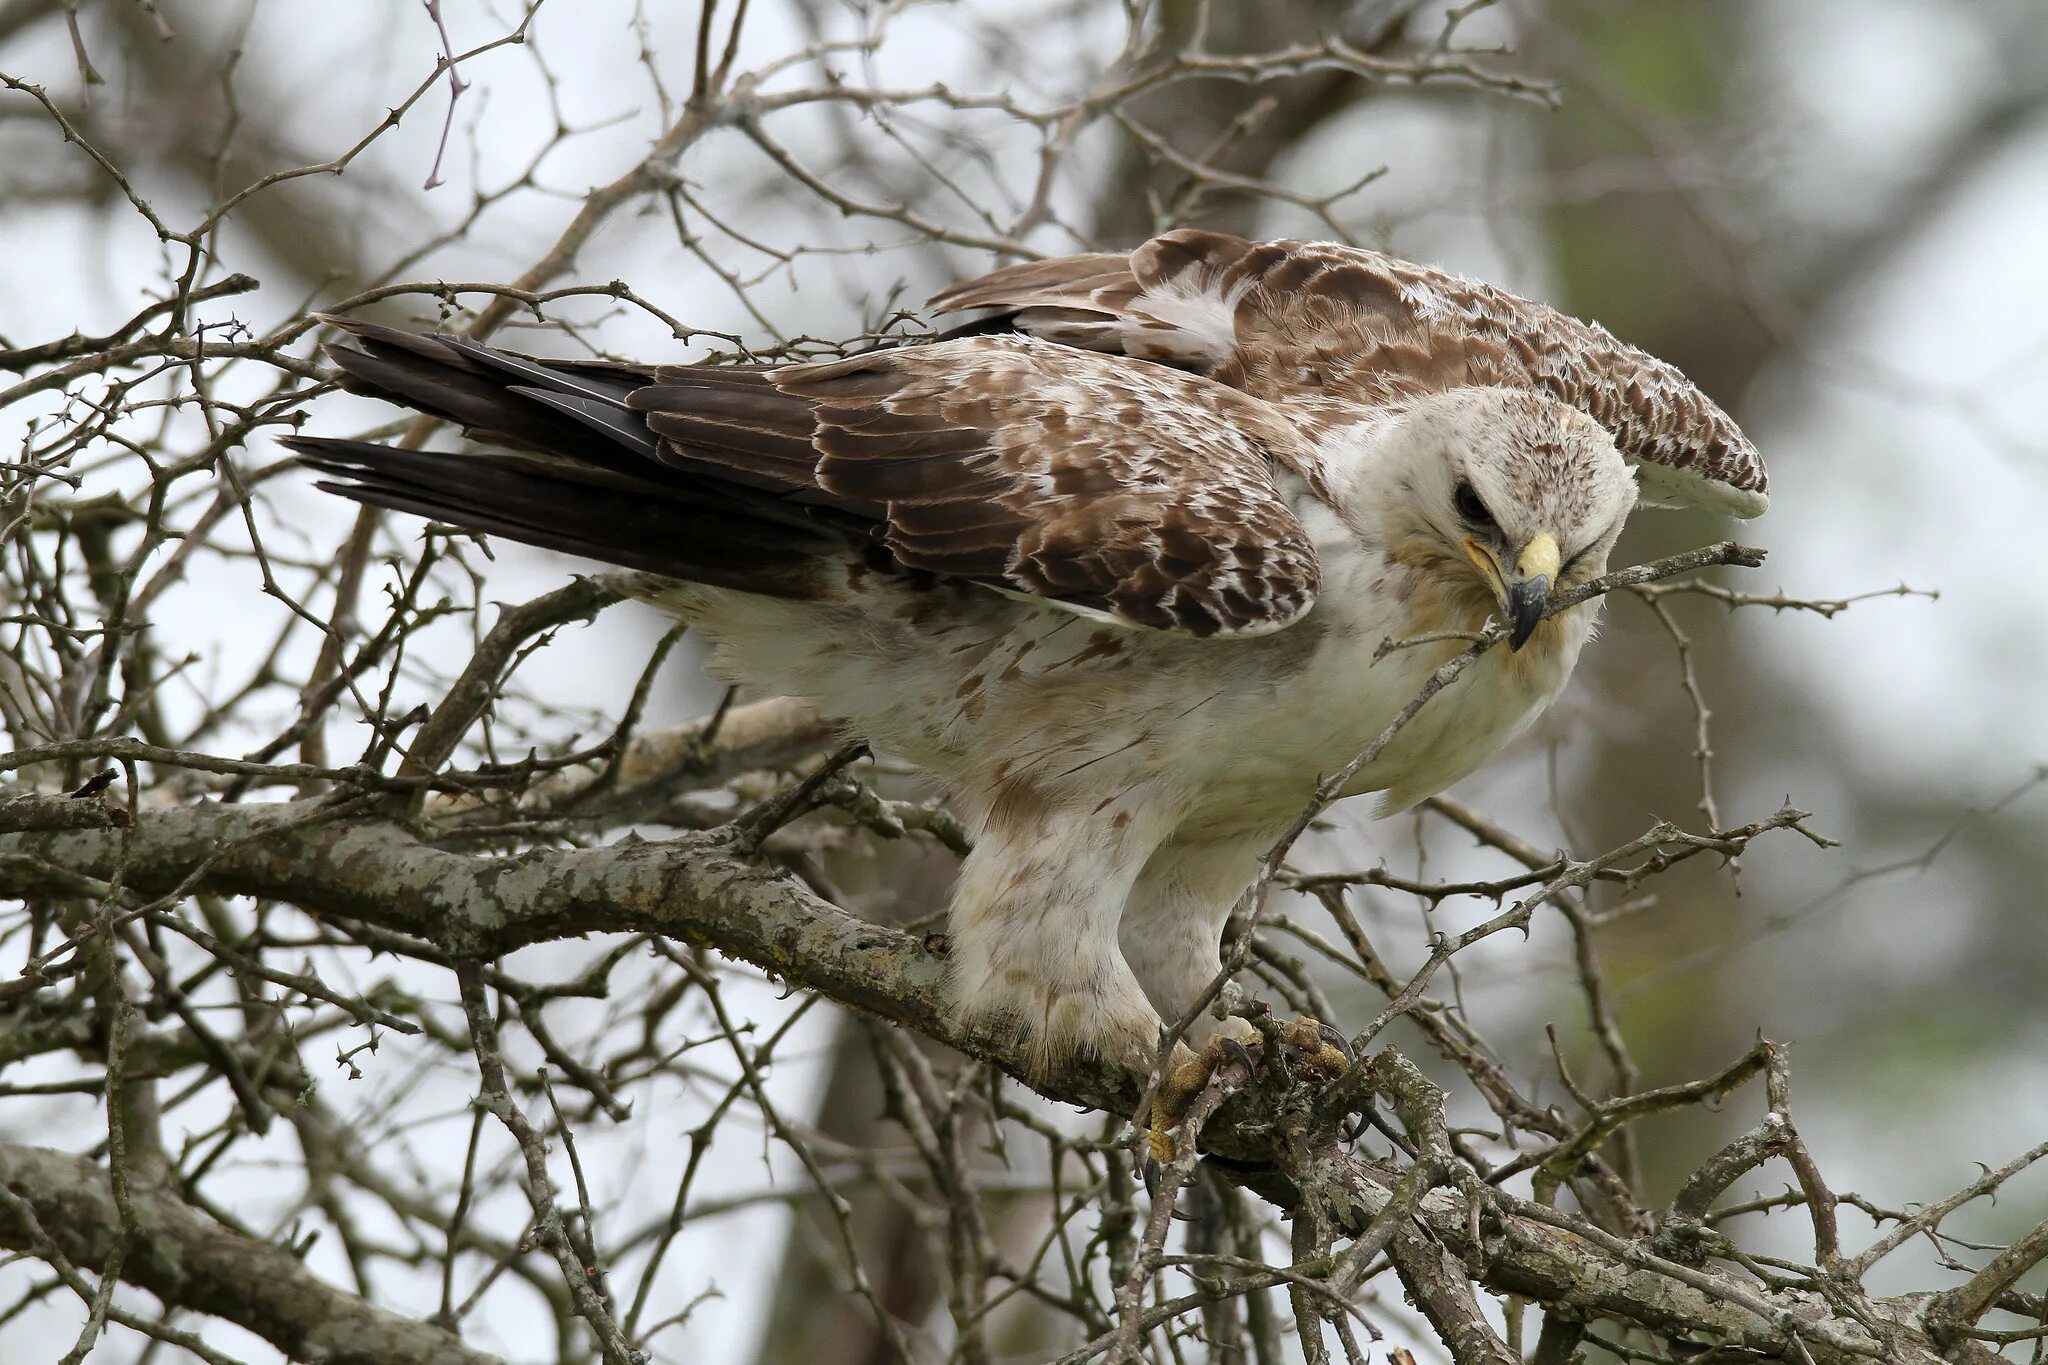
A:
1112	561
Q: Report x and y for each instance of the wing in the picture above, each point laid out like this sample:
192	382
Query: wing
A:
1126	490
1130	492
1317	326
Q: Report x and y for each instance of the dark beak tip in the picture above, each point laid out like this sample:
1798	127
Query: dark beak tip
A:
1526	604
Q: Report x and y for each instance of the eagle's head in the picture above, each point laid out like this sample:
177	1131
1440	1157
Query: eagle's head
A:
1502	496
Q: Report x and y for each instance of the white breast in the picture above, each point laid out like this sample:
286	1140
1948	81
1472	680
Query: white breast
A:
1266	759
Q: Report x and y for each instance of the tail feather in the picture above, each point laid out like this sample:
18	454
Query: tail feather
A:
593	478
704	535
604	418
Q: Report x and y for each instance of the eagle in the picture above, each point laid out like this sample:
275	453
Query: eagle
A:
1113	560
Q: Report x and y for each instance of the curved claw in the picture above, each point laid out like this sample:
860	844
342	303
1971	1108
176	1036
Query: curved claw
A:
1336	1039
1150	1170
1236	1051
1322	1050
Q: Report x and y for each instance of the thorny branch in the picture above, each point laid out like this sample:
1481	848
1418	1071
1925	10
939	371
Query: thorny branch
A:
470	904
375	874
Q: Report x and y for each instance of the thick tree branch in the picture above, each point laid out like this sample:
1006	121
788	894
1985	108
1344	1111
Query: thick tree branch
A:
55	1200
1442	1290
31	811
696	888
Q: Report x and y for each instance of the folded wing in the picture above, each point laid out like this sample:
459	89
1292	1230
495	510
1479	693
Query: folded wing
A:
1129	492
1319	327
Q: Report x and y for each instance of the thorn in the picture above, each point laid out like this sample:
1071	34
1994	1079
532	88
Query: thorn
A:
96	784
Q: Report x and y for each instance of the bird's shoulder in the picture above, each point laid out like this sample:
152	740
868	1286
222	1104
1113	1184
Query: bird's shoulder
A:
1305	324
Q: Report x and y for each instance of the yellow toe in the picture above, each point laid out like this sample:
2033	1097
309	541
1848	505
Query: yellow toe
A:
1312	1049
1177	1091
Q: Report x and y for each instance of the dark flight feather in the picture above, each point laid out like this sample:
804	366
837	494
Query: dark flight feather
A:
1140	492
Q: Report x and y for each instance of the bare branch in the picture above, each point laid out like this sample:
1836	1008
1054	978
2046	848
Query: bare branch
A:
184	1257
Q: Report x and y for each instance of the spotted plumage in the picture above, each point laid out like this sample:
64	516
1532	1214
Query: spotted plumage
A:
1113	562
1322	327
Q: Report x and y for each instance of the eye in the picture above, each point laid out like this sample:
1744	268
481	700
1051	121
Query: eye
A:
1466	500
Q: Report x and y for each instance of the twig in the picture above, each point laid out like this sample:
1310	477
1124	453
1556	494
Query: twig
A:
592	1304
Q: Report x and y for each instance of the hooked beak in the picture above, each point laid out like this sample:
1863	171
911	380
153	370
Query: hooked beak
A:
1528	588
1525	590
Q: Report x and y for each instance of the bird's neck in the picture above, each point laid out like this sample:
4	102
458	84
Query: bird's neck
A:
1357	466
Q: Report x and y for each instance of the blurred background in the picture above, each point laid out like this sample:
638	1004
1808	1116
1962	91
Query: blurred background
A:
1831	213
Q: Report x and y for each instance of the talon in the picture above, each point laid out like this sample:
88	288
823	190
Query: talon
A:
1150	1170
1182	1084
1233	1050
1177	1090
1322	1049
1337	1040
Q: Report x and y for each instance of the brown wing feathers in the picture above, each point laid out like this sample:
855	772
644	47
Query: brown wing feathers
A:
700	538
589	482
1310	324
1002	460
1075	478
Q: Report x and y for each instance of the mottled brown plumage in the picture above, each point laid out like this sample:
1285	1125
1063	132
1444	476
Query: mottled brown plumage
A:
1114	563
1323	327
1137	492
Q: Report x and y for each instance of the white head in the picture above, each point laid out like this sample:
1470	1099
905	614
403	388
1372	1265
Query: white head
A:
1499	497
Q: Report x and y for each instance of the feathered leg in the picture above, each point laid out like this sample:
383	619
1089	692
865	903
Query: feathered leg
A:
1034	931
1172	938
1172	929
